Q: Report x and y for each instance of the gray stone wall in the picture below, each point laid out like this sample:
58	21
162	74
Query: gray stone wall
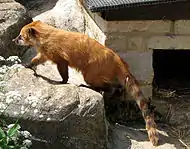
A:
147	35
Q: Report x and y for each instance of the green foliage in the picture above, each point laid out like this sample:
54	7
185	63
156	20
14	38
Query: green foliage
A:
12	138
13	130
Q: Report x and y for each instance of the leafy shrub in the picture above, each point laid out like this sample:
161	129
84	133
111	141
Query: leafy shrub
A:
12	138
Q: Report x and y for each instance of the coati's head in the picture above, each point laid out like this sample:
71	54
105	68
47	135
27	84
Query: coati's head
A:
27	35
31	34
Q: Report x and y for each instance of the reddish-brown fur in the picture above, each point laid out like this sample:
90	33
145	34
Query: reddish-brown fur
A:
99	65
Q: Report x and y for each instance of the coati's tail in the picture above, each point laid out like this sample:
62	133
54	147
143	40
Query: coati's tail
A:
132	87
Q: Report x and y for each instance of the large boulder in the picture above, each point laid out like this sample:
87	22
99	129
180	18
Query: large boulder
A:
57	115
66	14
13	16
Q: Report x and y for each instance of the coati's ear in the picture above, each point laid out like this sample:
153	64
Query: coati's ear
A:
32	32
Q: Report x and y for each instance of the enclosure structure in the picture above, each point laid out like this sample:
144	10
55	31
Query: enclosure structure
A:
153	36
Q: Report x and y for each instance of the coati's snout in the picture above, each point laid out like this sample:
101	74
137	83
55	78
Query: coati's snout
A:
19	40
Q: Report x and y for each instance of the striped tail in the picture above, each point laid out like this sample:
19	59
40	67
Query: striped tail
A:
132	87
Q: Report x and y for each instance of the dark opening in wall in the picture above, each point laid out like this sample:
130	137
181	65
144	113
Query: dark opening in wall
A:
172	70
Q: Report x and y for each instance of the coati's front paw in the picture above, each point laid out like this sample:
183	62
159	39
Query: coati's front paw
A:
153	136
64	82
28	66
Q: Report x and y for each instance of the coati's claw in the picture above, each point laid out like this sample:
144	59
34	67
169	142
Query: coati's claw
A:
28	66
153	136
63	82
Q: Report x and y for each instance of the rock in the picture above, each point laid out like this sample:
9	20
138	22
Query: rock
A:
13	16
57	115
122	137
66	14
36	7
175	111
123	112
28	55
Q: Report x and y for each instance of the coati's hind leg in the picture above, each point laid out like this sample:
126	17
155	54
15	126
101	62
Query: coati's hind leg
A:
133	89
62	67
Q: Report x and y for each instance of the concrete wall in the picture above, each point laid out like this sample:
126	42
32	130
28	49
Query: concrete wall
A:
147	35
134	41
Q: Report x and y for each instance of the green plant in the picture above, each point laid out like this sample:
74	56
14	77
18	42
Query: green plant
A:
12	138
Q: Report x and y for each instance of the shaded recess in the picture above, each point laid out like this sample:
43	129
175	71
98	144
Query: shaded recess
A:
171	70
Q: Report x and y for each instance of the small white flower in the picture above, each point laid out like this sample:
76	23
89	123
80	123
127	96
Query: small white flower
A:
14	139
3	69
26	134
13	59
2	58
27	143
10	126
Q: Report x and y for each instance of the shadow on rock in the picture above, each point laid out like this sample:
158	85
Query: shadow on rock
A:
53	82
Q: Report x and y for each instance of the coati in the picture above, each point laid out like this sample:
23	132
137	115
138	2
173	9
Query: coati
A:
100	66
